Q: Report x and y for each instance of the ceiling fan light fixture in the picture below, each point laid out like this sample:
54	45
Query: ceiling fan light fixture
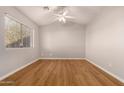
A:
62	19
60	12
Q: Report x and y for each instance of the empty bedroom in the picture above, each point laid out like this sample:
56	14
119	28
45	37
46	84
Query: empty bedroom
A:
61	45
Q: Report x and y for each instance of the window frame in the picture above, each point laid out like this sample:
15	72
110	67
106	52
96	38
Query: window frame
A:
21	24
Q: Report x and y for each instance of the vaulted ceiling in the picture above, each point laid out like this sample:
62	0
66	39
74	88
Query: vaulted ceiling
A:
41	16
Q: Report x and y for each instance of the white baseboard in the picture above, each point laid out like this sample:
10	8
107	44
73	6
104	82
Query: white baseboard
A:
16	70
113	75
63	58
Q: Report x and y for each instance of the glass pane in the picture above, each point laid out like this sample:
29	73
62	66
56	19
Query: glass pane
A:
26	33
13	33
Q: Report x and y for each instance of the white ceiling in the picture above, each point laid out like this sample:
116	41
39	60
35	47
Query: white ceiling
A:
82	14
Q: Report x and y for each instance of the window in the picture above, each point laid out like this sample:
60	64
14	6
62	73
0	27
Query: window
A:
17	35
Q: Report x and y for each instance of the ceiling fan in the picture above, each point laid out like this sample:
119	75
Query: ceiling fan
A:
60	12
62	17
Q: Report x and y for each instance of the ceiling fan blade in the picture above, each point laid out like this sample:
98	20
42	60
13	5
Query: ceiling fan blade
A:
64	20
65	13
71	17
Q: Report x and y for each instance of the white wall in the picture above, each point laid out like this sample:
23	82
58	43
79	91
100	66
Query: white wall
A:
11	59
105	40
62	40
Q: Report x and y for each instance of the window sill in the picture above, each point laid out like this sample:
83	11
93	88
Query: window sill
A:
18	48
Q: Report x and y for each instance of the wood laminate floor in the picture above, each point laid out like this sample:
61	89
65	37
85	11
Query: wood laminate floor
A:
62	73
